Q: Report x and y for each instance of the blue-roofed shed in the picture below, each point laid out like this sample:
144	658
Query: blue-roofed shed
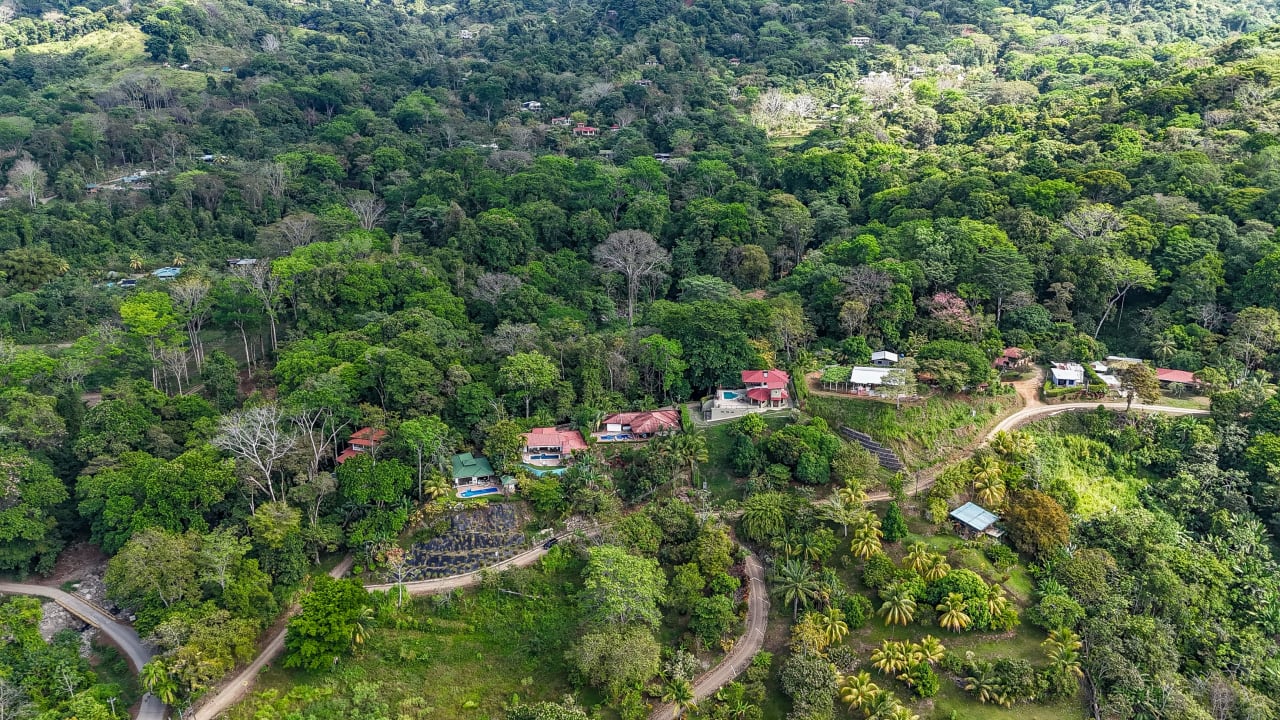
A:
976	519
167	273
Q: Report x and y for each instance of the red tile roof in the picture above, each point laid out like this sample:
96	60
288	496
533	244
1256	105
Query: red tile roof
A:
567	440
762	394
368	437
347	454
1015	353
1178	376
769	378
646	422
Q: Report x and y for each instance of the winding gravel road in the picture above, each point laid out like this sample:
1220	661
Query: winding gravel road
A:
120	633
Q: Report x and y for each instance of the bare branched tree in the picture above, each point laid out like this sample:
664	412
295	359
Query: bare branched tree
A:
264	285
174	358
14	703
189	297
258	438
490	287
368	209
26	180
637	256
297	229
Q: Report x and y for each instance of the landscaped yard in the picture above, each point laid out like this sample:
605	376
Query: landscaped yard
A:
715	471
463	658
922	435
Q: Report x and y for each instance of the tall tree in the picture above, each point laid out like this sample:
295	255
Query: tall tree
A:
637	256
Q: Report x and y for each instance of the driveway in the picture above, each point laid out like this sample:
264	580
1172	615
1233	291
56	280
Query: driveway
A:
121	634
748	644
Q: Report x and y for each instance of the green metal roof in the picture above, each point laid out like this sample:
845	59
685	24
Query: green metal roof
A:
466	465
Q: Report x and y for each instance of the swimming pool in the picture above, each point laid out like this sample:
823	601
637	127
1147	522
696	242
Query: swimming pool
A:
477	492
549	456
729	395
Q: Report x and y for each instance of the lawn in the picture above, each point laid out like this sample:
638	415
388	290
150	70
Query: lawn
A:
715	471
461	659
922	435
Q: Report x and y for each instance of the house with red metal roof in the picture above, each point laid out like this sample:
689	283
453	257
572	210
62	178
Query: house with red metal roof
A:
1182	377
362	440
550	446
585	130
637	426
1013	358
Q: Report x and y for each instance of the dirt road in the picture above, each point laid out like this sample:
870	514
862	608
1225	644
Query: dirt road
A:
747	645
121	634
237	687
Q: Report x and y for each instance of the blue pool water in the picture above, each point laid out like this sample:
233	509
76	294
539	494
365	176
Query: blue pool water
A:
477	493
544	457
728	395
540	471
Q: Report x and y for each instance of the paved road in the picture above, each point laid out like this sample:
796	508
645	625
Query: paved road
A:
231	691
120	633
1026	415
750	643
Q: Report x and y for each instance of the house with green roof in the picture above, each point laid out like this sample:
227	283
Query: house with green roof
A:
471	470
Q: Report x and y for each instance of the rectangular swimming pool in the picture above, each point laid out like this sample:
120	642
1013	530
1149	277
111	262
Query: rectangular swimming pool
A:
477	492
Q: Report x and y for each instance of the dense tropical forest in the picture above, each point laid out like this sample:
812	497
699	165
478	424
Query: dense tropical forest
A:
311	313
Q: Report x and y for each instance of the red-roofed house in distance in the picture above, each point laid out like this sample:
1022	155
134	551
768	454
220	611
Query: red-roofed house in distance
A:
362	440
585	130
548	446
1013	358
638	426
1182	377
762	390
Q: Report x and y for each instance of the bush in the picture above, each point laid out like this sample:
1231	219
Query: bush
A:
895	525
1019	679
843	657
813	469
878	572
965	582
712	618
1056	611
923	680
857	610
952	663
723	583
1000	555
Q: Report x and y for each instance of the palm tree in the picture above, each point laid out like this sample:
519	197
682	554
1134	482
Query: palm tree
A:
881	706
435	486
854	497
135	262
918	557
931	649
890	658
158	682
832	625
1061	648
857	691
899	608
866	521
997	602
839	510
866	543
678	692
1164	347
360	627
689	448
938	568
983	683
797	583
179	259
900	712
988	480
953	616
1013	446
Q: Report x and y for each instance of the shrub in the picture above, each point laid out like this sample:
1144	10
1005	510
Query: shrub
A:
895	525
1056	611
813	469
923	680
1000	555
878	572
857	610
723	583
965	582
843	657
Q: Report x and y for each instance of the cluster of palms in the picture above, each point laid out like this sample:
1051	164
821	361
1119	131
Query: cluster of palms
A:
687	448
926	563
867	535
678	693
893	658
795	579
988	480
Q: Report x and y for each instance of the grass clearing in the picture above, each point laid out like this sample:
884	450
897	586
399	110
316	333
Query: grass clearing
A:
922	435
458	660
1085	468
122	43
715	471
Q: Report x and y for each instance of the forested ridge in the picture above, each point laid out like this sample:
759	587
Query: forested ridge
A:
234	233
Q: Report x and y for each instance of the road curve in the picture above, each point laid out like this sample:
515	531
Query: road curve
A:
231	691
1031	414
925	478
746	647
122	634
